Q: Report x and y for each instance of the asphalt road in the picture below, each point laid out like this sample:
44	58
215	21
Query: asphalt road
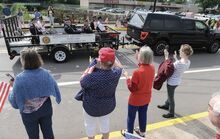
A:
191	96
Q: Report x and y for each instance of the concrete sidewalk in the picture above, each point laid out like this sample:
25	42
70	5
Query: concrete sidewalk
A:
200	128
195	129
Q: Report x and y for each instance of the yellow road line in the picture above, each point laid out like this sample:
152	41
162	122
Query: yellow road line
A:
117	134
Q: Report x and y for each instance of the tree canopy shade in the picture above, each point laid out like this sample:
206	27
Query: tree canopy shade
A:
77	2
207	3
173	1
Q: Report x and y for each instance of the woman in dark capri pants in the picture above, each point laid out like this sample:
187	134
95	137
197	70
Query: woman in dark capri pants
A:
31	93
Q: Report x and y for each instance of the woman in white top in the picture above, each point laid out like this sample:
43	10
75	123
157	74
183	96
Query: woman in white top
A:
51	15
179	67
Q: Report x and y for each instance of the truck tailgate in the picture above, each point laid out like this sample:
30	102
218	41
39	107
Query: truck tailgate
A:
134	32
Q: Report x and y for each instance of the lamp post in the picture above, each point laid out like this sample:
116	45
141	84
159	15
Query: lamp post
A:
155	2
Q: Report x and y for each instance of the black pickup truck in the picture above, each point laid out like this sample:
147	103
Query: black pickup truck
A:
160	31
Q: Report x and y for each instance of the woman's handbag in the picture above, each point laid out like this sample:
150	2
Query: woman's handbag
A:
79	95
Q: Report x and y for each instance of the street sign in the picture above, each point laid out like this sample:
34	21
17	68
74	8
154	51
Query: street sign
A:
6	11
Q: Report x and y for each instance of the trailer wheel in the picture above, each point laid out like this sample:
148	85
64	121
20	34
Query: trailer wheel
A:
60	54
213	48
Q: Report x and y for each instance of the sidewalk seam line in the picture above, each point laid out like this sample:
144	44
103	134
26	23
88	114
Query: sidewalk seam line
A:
162	124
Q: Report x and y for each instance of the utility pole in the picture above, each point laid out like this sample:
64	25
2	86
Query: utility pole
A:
155	2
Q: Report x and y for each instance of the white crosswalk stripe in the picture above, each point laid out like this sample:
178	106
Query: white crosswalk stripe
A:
3	51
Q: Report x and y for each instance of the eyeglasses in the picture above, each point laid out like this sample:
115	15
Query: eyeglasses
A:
210	107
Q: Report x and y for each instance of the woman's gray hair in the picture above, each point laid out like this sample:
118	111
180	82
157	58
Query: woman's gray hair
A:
146	55
107	65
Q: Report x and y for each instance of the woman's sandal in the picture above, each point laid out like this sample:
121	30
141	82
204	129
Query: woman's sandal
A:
137	130
123	131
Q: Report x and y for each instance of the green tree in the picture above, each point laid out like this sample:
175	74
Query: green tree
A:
1	7
180	1
171	1
207	3
16	6
77	2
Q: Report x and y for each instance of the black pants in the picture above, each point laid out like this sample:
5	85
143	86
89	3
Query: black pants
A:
42	117
170	103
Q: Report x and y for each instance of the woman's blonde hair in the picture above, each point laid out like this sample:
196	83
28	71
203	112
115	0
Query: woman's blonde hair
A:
30	59
186	49
146	55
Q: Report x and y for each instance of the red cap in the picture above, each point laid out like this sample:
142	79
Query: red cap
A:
106	54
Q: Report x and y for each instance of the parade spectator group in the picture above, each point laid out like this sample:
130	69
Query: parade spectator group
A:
33	87
98	89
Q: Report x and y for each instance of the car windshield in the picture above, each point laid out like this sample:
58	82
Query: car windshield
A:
138	20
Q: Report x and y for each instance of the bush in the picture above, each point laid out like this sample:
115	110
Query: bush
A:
16	6
1	8
27	17
44	12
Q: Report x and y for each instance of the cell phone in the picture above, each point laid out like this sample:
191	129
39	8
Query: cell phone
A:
10	76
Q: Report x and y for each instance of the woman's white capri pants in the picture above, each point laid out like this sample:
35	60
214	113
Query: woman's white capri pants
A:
90	124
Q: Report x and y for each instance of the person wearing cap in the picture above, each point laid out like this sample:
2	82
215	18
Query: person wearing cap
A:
37	14
98	89
140	87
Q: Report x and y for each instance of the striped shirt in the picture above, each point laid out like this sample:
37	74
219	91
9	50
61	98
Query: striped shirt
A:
179	68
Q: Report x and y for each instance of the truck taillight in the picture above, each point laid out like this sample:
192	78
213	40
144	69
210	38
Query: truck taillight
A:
143	35
114	35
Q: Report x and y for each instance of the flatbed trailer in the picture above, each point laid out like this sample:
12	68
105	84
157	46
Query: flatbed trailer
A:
55	42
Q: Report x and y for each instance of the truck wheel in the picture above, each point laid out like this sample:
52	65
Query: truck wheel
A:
60	55
159	48
116	47
214	47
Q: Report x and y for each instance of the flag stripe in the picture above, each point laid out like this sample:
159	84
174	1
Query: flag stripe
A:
2	91
4	94
91	69
1	86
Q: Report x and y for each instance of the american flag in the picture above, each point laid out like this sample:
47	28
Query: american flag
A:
4	89
90	69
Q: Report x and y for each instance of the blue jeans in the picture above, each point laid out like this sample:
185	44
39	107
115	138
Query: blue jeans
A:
142	117
42	117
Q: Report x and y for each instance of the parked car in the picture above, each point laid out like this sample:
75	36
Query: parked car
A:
111	10
118	10
105	9
166	30
138	9
216	17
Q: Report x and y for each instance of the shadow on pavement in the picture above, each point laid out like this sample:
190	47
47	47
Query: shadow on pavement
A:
196	128
78	62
